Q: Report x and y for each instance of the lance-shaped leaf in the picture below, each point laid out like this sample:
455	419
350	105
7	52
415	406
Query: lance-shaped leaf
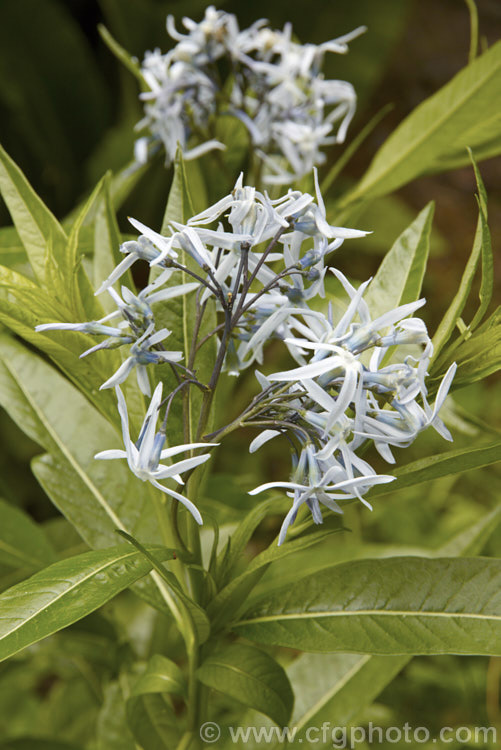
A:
477	357
233	596
192	621
441	465
12	251
122	55
36	225
481	249
487	283
97	497
436	134
338	687
82	302
400	275
395	606
25	306
65	592
107	245
229	556
252	677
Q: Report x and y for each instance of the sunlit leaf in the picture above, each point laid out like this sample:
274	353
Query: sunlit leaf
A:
440	129
400	276
394	606
64	593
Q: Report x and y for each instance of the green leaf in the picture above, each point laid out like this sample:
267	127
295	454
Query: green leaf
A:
435	135
65	592
24	305
487	283
230	599
481	249
36	225
472	540
338	687
162	676
441	465
12	251
121	185
77	288
22	541
97	497
477	357
107	245
391	606
192	621
400	276
252	677
237	542
122	55
153	722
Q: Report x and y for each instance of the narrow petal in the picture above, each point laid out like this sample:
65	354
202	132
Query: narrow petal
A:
271	485
163	472
120	375
311	370
191	507
262	439
105	455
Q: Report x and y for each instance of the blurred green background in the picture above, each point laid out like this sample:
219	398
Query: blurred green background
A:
67	112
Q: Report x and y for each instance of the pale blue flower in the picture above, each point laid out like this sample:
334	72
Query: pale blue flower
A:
314	488
144	456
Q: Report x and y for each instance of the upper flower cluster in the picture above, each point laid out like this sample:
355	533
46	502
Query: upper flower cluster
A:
270	82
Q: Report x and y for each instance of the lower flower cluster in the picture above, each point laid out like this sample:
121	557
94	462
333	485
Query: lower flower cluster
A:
356	387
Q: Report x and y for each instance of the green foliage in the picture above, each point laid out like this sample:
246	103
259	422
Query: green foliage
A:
389	606
251	677
64	593
481	249
434	137
441	465
400	276
36	226
145	672
153	722
95	499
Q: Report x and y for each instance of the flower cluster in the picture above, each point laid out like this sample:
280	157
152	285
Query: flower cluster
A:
355	387
356	378
271	83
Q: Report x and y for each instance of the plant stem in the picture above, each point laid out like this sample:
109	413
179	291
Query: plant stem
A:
192	715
